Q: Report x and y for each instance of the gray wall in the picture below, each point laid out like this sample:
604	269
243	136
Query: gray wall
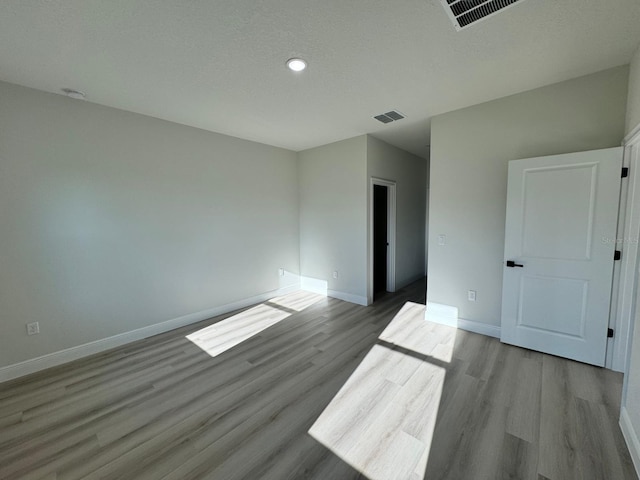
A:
633	102
333	215
334	185
470	150
426	222
113	221
410	174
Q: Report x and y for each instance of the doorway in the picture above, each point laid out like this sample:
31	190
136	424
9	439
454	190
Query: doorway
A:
382	238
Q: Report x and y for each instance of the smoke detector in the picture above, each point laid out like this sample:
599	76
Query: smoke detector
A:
69	92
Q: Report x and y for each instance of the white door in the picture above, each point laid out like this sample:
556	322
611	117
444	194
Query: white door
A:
560	235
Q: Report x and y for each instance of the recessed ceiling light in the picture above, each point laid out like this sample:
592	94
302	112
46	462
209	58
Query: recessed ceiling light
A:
69	92
296	64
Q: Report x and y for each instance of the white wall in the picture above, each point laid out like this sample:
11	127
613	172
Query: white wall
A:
470	150
113	221
333	216
410	174
630	415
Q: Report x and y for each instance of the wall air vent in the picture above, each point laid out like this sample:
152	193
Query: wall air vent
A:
389	116
467	12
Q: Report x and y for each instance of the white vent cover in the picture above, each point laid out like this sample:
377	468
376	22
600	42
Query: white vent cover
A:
467	12
389	117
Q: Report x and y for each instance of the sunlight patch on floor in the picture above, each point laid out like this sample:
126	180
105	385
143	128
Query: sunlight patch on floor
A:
221	336
409	330
381	421
297	301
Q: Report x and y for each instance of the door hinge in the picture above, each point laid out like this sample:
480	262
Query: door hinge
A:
625	172
617	255
609	332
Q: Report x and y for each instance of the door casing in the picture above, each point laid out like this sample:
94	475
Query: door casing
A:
626	274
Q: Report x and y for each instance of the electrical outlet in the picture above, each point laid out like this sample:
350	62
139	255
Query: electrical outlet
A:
281	272
33	328
471	295
335	274
442	239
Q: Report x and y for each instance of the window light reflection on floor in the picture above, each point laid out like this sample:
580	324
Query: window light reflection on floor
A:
297	301
221	336
381	422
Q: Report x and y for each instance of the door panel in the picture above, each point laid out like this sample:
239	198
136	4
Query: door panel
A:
564	309
561	227
552	232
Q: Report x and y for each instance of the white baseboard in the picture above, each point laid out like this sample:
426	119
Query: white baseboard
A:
479	327
448	315
313	285
631	437
74	353
443	314
348	297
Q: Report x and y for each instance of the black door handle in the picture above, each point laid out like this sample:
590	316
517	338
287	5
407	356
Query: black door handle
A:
511	263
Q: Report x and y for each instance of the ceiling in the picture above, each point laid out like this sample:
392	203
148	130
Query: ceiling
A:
220	64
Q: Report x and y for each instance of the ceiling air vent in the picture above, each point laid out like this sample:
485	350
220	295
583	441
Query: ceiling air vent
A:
389	116
467	12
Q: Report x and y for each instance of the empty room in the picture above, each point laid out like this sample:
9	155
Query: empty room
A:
287	240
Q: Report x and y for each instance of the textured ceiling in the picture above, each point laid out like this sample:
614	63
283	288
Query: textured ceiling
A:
220	64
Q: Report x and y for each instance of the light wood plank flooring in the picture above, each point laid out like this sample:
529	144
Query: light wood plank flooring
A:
163	408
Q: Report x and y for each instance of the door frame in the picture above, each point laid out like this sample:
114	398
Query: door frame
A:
391	236
626	271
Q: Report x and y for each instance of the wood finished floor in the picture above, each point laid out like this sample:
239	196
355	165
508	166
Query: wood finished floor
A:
162	408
